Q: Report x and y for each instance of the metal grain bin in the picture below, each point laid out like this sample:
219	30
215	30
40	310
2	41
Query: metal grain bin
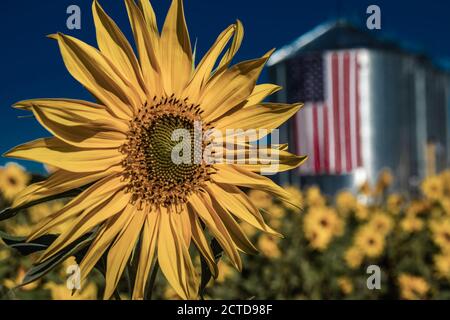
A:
401	99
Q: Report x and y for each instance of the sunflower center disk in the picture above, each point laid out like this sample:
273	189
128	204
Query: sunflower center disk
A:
163	162
161	152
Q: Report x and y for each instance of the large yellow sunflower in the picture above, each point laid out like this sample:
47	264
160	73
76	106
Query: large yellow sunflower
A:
136	199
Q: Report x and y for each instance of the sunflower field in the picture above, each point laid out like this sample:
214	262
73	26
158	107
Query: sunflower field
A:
324	253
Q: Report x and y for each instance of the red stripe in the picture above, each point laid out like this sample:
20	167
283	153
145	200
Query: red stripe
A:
335	75
358	114
326	142
348	142
316	140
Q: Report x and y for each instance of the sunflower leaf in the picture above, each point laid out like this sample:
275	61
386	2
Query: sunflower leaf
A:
26	248
9	212
39	270
206	273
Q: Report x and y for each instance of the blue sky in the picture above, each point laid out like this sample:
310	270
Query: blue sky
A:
31	65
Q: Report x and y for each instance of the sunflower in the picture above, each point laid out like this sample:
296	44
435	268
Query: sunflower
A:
411	223
17	281
412	287
394	203
345	203
345	285
320	225
440	229
314	197
353	257
137	199
442	265
433	188
268	246
13	179
385	180
370	241
381	222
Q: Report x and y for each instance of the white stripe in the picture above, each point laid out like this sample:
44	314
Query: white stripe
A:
342	111
353	133
328	78
320	128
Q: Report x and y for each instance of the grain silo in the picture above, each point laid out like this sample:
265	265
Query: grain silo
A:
370	104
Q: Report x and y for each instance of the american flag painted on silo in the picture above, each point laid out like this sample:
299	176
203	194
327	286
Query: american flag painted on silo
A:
327	128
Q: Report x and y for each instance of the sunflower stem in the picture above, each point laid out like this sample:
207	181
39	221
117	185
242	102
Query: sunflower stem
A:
151	282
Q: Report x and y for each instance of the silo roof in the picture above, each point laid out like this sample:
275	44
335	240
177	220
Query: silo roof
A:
339	34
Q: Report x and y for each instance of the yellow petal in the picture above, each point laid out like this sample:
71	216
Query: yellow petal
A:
202	244
57	153
176	52
202	206
147	43
173	256
96	194
261	92
88	111
149	16
87	220
185	224
89	67
103	240
121	250
235	45
234	175
237	202
115	47
231	88
267	116
147	254
59	182
261	160
206	65
77	124
239	238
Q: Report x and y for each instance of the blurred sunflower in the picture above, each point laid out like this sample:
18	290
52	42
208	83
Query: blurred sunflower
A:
40	211
17	281
411	223
353	257
394	203
121	148
13	179
385	180
345	202
268	246
261	199
314	197
345	285
225	271
320	225
433	188
4	253
381	222
370	241
61	292
440	229
412	287
365	189
442	265
361	212
296	193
